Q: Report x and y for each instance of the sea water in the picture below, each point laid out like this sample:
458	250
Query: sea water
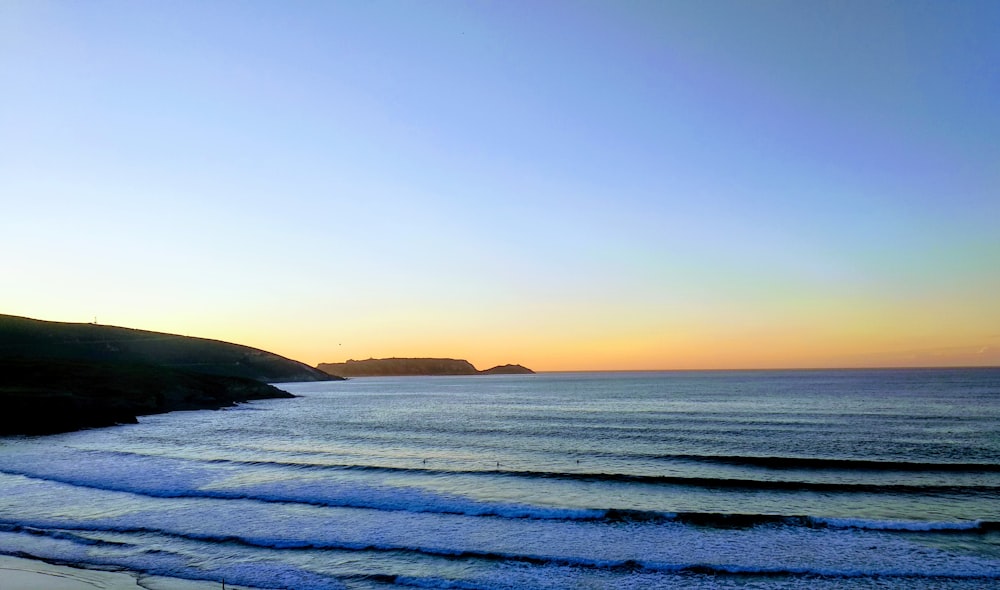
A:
761	479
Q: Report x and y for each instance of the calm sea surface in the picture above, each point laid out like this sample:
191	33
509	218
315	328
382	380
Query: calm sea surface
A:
764	479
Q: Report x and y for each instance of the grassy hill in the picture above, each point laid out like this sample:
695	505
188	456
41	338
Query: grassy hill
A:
24	338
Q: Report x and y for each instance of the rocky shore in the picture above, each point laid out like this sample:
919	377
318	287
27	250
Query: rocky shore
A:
46	397
59	377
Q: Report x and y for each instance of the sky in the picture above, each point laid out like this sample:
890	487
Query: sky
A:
577	185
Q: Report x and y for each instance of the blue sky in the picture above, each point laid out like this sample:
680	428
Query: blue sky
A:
569	185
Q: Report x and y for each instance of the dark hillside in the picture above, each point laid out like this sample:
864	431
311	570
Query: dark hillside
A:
49	396
24	338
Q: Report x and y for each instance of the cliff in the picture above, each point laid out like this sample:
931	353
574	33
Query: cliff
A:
395	367
50	396
24	338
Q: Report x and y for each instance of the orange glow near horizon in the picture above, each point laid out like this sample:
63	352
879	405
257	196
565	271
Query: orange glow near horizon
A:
663	185
784	330
834	344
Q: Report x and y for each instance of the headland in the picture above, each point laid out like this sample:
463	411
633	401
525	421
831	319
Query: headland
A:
403	367
59	377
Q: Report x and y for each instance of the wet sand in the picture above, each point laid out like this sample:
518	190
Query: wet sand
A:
17	573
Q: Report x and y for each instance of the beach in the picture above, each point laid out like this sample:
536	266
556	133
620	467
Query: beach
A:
17	573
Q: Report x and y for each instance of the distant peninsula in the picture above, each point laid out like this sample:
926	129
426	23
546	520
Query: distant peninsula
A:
58	377
401	367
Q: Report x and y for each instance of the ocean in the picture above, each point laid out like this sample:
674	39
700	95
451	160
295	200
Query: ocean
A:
721	479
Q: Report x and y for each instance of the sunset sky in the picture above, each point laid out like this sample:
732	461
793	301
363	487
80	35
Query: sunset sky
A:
566	185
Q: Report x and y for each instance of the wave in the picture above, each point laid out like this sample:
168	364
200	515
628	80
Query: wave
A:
572	561
769	462
61	534
837	464
397	500
325	495
972	526
356	495
361	496
672	480
725	520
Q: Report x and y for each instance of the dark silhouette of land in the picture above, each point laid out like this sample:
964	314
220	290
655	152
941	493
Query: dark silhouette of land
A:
46	396
507	370
24	338
57	377
397	367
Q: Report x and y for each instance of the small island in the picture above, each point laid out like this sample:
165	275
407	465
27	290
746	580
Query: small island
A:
406	367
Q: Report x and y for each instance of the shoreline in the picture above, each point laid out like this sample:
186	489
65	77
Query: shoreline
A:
29	573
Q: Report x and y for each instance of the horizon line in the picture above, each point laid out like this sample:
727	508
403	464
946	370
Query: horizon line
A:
745	369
